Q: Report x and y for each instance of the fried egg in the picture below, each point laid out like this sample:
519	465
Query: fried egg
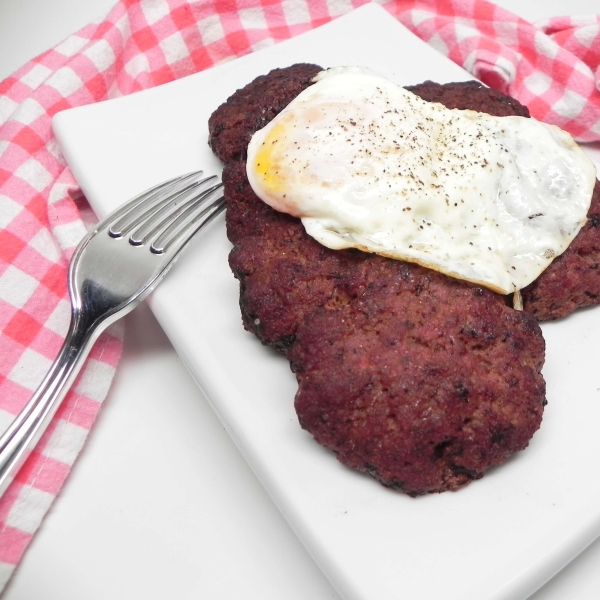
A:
365	163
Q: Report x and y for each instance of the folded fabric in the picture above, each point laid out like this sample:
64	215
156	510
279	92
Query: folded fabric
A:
551	67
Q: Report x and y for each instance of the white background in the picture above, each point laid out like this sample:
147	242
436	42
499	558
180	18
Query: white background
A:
129	523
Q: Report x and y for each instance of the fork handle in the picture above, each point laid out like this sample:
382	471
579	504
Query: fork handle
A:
24	432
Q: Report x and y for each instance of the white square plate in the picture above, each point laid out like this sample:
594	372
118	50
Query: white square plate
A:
500	537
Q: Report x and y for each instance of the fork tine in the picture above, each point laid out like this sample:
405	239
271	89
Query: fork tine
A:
165	211
198	212
124	219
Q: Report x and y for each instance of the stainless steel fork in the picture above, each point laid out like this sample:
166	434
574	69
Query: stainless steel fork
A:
112	270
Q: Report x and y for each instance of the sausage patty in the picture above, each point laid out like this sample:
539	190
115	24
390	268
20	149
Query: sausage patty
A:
420	380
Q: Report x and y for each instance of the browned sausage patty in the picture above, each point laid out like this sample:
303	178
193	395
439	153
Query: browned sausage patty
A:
421	380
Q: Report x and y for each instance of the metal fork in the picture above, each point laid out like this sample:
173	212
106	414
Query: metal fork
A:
112	270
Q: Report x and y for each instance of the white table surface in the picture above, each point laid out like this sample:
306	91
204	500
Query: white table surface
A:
136	520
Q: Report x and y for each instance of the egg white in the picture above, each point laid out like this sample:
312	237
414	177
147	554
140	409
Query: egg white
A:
364	163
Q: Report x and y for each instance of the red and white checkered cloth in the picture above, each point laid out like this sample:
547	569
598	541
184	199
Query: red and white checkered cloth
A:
553	67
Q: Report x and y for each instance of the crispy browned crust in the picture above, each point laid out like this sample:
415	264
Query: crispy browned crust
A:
470	95
420	380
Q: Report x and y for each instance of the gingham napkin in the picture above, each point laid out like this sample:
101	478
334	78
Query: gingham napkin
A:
552	67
